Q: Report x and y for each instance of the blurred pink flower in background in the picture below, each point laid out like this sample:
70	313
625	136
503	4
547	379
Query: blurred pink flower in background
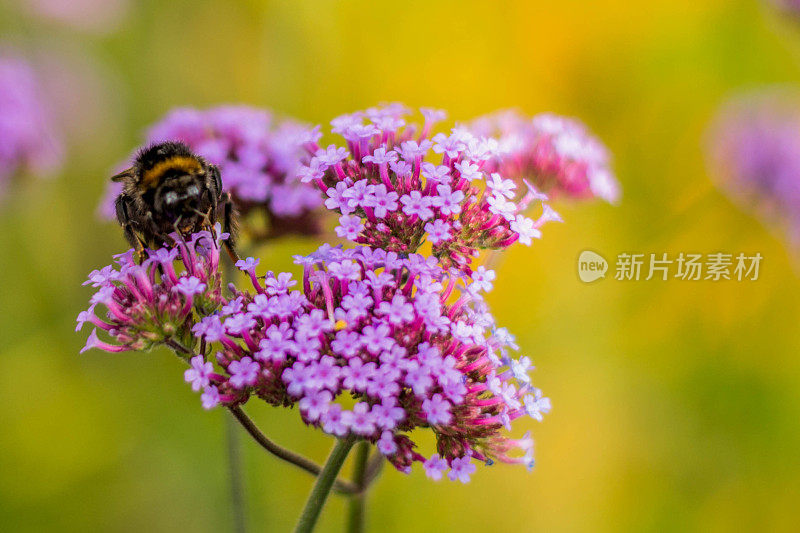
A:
788	5
28	139
99	16
754	156
558	155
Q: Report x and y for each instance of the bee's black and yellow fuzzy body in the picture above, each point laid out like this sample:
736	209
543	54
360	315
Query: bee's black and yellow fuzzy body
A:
169	189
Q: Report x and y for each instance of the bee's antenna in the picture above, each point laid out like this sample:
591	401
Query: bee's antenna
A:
121	176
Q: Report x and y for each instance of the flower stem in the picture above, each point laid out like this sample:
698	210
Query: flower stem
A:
357	504
236	478
232	441
374	467
287	455
278	451
322	487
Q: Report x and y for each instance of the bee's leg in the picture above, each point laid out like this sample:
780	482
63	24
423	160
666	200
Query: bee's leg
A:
213	193
222	200
133	238
169	242
154	235
176	226
229	224
217	181
123	207
208	219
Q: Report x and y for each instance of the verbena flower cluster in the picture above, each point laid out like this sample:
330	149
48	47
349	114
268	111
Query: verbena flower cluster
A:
394	188
257	156
377	341
378	345
556	154
374	344
28	140
754	156
153	302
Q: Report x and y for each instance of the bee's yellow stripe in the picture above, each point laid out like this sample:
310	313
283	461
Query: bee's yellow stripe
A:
152	177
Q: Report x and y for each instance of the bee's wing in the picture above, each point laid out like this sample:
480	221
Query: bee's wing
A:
127	173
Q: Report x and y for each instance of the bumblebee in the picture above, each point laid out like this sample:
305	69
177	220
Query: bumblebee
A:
170	189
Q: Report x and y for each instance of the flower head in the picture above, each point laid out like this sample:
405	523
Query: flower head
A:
395	187
153	302
378	345
556	154
378	341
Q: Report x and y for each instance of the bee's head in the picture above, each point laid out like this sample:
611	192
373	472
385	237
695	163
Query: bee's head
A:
172	176
182	190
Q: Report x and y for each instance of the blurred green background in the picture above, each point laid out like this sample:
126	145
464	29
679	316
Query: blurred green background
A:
676	404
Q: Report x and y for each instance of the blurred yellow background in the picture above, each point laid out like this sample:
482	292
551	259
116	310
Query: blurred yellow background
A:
676	404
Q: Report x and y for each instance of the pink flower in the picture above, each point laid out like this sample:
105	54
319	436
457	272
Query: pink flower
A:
461	469
386	444
437	410
141	299
360	419
198	374
435	467
29	143
244	372
315	405
416	205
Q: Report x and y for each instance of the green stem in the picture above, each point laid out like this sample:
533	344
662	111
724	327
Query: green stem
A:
280	452
285	454
234	449
322	487
374	467
236	477
357	505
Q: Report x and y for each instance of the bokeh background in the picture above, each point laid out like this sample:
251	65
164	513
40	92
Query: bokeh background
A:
676	404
